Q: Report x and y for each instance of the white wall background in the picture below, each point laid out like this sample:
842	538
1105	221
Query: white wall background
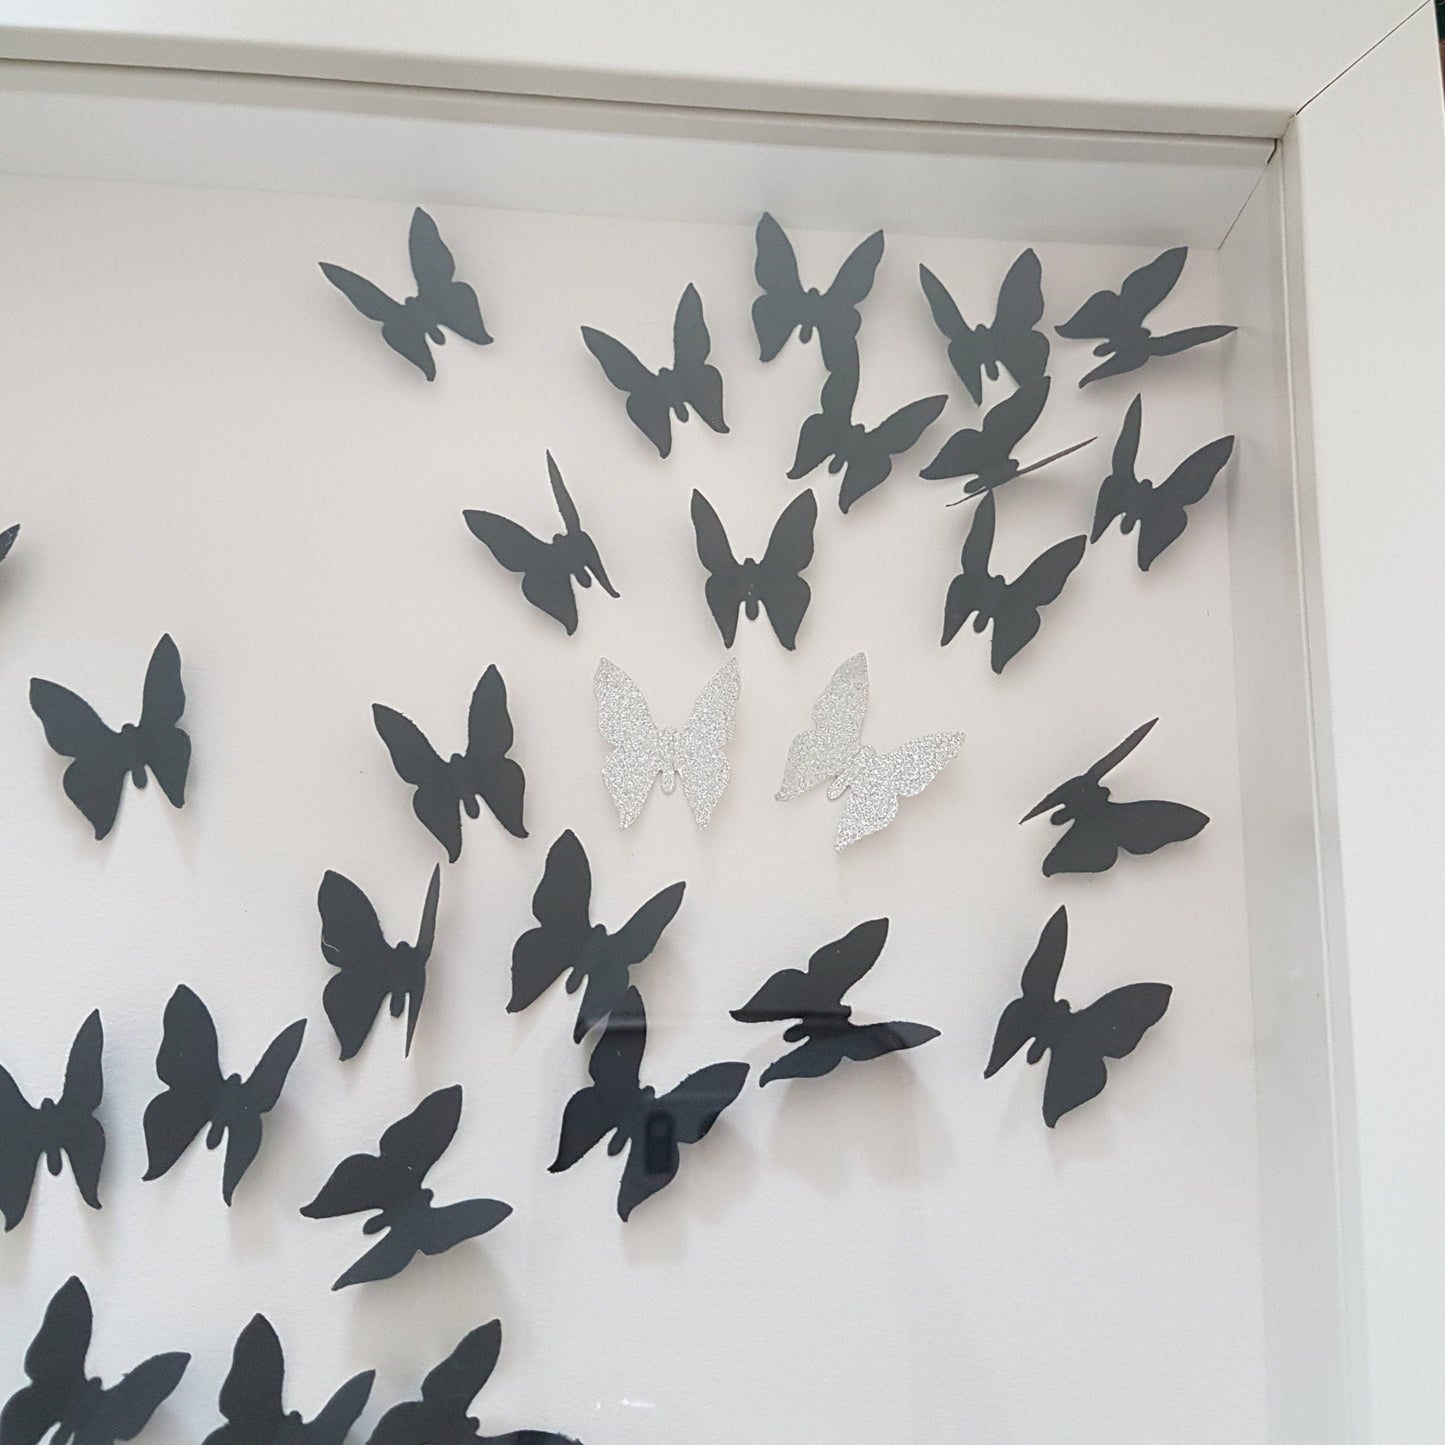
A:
201	437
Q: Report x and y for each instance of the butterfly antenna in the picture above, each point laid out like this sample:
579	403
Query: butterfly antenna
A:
1111	760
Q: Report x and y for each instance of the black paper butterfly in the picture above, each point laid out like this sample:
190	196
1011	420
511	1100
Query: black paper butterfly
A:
7	540
775	583
440	300
1077	1043
484	772
548	568
864	457
372	971
655	397
1098	828
440	1416
63	1398
1012	607
785	307
1116	319
93	782
1010	340
651	1127
823	1021
65	1125
251	1398
390	1183
985	455
1158	511
199	1096
567	941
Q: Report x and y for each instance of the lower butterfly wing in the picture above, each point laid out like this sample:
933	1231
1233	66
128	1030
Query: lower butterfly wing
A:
1145	827
123	1411
836	734
434	800
609	1103
332	1423
784	593
546	580
778	312
647	402
188	1063
965	347
441	298
724	586
1016	621
682	1116
353	944
860	1042
1110	1028
1176	341
702	761
76	1129
94	780
697	384
1162	515
613	956
498	779
251	1398
21	1147
871	802
165	747
561	906
871	460
624	720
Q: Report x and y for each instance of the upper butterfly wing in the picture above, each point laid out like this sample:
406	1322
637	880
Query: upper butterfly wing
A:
1176	341
442	298
401	327
699	384
1028	1015
987	452
648	403
251	1399
1146	826
21	1148
561	906
873	793
724	586
828	432
609	1103
124	1410
624	720
1015	342
967	349
817	992
1108	1029
702	761
166	747
1162	514
73	1123
778	312
435	800
94	780
838	318
1017	620
859	1042
188	1063
259	1094
546	581
333	1422
613	955
498	779
974	590
836	733
55	1365
1119	493
353	944
7	540
452	1385
784	593
871	459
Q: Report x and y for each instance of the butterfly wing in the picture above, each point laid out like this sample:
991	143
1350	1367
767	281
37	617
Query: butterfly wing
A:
333	1422
647	401
55	1365
1017	620
872	798
1119	492
76	1129
188	1063
497	779
975	589
871	461
1163	516
837	308
697	383
783	593
613	955
166	748
860	1042
682	1116
702	761
564	926
828	432
966	348
546	580
1014	341
7	540
21	1147
1108	1029
259	1095
1147	826
624	720
124	1410
816	995
442	299
607	1105
1176	341
836	733
987	453
94	780
452	1386
250	1397
434	800
1145	288
724	586
402	327
1088	845
779	311
1027	1016
353	944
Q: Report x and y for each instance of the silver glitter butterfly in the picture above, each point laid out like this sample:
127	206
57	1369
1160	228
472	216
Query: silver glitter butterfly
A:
643	752
834	748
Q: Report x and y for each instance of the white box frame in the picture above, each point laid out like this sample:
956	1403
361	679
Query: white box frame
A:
1355	289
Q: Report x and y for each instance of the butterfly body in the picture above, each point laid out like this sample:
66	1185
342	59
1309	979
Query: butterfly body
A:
1077	1042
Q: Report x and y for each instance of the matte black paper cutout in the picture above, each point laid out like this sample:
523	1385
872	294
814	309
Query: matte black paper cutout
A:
251	1398
548	568
1158	511
864	457
1009	341
651	1127
390	1184
1077	1043
1116	319
483	774
102	758
567	941
655	397
985	455
1098	828
440	1416
63	1398
1012	607
833	750
372	971
785	307
7	540
824	1031
775	583
65	1125
199	1096
441	300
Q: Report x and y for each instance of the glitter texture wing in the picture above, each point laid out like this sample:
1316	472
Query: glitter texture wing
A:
637	755
837	731
702	761
873	794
